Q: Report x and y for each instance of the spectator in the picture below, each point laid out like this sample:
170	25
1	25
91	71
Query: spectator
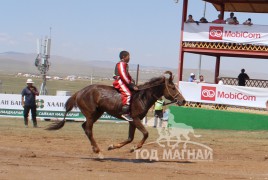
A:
220	82
29	103
192	78
201	79
242	77
220	106
191	20
230	19
266	105
158	112
248	22
166	114
219	20
235	21
203	20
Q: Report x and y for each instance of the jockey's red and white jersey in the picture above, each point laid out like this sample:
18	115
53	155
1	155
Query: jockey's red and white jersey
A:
121	71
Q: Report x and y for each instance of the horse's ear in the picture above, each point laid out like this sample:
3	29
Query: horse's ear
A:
171	77
166	76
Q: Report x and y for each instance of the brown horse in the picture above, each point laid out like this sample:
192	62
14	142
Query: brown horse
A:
94	100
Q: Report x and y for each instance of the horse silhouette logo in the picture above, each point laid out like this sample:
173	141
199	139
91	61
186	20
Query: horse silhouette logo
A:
173	140
175	135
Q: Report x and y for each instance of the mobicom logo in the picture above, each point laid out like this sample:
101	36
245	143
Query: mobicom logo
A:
242	34
215	32
218	33
235	96
208	93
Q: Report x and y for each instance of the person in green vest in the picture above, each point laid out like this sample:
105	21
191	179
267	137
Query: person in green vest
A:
158	112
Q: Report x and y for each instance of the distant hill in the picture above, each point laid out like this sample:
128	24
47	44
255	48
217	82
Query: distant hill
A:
14	62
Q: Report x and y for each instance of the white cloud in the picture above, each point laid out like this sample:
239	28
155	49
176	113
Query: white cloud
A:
5	38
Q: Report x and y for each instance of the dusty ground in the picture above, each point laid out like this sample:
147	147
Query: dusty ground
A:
33	153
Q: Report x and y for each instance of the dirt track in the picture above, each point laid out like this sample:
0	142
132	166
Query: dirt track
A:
28	153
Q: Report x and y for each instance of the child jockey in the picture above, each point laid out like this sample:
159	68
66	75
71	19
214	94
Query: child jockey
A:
124	83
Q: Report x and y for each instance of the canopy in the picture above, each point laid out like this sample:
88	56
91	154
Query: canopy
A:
252	6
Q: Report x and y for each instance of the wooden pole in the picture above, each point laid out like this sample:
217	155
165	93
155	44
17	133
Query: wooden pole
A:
137	75
181	58
217	69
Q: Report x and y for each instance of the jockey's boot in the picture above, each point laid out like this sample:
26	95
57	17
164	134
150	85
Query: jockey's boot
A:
126	114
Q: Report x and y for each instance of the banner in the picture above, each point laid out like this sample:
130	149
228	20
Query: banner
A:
224	94
208	32
47	107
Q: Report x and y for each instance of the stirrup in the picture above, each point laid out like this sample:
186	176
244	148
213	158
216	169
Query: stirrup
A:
127	117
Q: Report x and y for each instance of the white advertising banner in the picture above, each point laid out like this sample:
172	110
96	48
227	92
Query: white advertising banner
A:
51	103
47	107
208	32
224	94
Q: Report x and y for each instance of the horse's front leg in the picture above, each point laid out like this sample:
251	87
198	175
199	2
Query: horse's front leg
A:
145	133
131	133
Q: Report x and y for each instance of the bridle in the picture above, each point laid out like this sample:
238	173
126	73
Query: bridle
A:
175	96
166	85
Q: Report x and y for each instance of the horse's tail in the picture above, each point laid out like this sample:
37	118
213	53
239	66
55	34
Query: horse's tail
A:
70	103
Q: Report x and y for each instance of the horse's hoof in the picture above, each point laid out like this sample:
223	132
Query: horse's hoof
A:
111	147
95	150
100	156
133	149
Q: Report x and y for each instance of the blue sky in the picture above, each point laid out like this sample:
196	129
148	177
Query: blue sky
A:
99	30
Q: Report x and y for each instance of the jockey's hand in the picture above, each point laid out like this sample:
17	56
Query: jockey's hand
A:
133	81
135	88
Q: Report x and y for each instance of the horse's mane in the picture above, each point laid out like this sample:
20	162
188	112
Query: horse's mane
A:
152	82
149	88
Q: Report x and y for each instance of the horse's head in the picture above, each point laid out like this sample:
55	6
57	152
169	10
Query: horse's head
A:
171	92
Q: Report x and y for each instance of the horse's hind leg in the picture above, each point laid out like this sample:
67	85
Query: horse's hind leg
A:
131	133
88	128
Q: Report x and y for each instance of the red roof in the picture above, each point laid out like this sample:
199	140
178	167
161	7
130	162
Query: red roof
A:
251	6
